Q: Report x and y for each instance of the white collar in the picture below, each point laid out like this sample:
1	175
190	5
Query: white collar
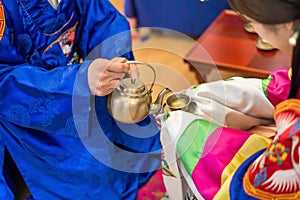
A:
54	3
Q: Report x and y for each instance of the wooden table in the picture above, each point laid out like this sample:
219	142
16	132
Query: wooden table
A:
226	46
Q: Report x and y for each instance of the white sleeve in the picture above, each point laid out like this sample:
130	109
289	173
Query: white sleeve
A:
237	103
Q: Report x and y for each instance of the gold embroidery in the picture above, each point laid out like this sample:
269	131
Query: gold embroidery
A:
290	104
2	20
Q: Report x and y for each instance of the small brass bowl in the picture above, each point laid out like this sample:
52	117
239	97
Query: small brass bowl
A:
178	101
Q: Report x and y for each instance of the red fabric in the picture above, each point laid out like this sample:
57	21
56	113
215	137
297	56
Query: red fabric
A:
154	189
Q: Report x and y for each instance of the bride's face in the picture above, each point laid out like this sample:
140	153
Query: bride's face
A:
277	35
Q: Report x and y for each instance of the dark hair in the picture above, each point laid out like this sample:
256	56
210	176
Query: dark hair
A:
263	10
286	11
295	83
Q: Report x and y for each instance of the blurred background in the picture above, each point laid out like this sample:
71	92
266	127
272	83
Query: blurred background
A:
165	49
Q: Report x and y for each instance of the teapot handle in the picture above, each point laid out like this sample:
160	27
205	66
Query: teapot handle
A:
147	65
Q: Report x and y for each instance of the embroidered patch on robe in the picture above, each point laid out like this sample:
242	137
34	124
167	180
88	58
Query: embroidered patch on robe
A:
65	40
275	174
2	20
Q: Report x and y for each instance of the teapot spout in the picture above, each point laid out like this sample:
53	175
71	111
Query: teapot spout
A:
156	106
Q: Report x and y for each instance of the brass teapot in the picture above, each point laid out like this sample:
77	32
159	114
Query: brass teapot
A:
131	101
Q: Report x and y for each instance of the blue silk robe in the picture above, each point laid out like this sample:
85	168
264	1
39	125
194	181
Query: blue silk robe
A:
62	140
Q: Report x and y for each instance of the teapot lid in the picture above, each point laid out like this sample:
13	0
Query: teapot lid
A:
132	86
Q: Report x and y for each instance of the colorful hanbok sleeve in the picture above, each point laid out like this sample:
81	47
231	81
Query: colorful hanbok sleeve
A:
206	153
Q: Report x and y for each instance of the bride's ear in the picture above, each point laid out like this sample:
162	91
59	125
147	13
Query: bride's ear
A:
294	27
291	25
